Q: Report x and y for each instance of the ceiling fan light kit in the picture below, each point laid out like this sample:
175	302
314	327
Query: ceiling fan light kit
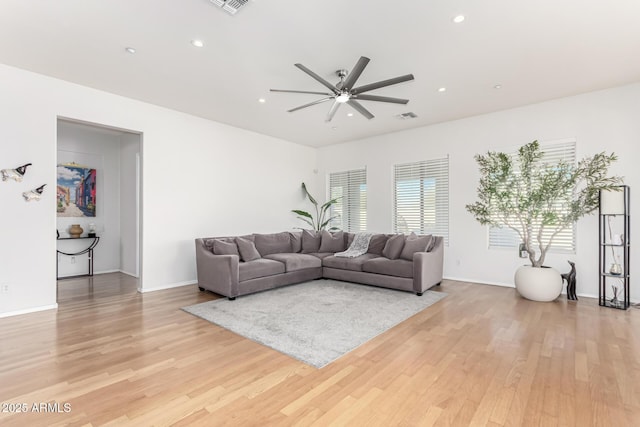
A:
344	91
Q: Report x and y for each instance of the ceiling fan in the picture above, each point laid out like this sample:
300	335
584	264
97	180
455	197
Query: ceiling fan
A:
344	91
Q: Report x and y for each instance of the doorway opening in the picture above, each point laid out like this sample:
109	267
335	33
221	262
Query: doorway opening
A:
98	208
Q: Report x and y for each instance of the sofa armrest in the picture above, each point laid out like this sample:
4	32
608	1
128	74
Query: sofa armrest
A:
428	266
217	273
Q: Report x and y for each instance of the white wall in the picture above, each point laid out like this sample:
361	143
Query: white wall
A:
605	120
129	151
101	151
200	178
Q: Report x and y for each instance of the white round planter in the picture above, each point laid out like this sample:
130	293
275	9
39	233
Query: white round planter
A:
538	283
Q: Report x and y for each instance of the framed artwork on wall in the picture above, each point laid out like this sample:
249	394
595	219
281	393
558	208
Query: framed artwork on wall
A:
76	191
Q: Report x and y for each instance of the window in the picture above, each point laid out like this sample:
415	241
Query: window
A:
565	241
350	188
421	198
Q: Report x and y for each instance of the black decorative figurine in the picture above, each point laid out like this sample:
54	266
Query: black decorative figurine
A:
570	277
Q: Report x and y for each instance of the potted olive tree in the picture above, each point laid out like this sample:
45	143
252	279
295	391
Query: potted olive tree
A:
538	200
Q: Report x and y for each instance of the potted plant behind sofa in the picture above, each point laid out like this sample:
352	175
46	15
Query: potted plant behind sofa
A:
320	221
538	200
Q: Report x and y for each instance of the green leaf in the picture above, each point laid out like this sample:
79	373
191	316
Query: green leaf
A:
324	224
329	203
304	188
302	213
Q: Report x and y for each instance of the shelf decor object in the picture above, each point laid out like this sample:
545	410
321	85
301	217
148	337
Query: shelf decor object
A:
615	244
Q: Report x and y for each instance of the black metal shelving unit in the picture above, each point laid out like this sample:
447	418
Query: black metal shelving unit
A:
614	253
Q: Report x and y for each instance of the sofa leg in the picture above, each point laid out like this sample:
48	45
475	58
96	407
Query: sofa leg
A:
419	294
438	284
231	298
201	288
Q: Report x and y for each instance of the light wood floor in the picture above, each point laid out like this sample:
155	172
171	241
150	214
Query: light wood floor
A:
481	356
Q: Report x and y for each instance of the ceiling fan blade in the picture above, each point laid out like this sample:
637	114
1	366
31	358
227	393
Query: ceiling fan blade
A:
355	73
331	87
310	104
300	91
382	83
360	109
381	99
332	111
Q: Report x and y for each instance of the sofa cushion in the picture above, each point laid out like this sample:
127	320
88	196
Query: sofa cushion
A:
331	242
389	267
342	263
259	268
247	249
414	243
294	262
376	244
273	243
296	241
321	255
393	247
221	247
310	241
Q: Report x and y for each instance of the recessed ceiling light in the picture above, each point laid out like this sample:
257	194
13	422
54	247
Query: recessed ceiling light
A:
197	43
262	100
497	86
458	19
442	89
349	114
130	50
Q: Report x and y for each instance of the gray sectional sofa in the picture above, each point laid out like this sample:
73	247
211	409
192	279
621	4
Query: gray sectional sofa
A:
235	266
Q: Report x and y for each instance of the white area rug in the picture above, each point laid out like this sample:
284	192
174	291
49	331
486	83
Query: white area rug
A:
318	321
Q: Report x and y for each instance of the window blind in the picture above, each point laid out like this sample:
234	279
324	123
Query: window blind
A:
421	197
563	242
350	188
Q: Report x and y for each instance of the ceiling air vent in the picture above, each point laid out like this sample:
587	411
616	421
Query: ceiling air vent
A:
230	6
406	116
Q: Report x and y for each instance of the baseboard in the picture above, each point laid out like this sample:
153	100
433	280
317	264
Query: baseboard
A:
129	274
510	285
29	310
105	272
95	273
484	282
169	286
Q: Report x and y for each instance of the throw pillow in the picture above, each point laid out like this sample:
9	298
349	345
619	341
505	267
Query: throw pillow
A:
247	249
348	237
432	244
377	243
393	247
413	244
310	241
224	248
275	243
332	242
296	241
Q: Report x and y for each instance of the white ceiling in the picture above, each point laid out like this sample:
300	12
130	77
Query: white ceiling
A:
537	50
